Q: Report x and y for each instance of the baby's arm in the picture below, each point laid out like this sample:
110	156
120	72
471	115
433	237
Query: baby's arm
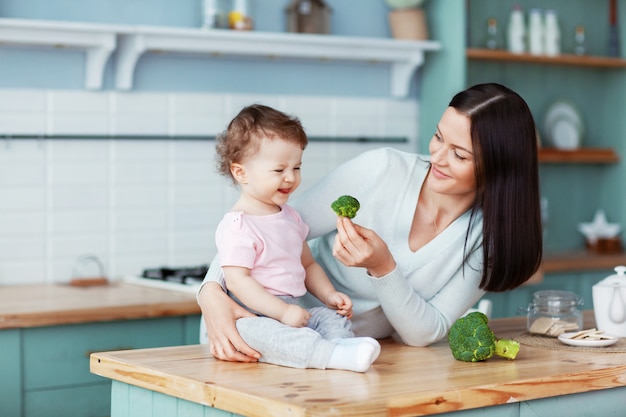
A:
255	297
319	285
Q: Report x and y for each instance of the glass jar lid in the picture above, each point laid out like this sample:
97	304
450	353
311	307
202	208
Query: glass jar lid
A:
556	299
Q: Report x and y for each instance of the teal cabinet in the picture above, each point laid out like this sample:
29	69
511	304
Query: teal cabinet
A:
45	370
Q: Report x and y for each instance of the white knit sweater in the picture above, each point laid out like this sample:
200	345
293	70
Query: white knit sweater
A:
430	288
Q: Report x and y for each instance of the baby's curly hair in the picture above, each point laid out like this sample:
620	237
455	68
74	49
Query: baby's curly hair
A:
241	138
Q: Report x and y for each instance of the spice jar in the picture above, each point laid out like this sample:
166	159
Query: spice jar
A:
554	312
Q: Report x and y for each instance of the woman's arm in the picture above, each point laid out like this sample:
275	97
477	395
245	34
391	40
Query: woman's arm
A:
220	313
417	321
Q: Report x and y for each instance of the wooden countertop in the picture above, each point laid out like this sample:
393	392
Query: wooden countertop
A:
48	305
404	381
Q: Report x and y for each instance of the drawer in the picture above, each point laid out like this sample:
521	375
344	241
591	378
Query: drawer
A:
59	355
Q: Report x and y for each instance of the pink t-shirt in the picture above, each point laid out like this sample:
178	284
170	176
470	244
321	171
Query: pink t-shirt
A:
270	246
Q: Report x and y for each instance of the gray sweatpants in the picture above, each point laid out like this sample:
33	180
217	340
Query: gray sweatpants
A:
297	347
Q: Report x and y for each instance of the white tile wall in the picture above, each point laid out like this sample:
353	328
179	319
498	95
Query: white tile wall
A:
143	203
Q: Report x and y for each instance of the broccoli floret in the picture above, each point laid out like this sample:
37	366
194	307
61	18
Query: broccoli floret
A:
346	206
471	340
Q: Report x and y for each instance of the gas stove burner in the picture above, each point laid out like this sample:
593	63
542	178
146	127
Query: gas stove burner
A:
185	275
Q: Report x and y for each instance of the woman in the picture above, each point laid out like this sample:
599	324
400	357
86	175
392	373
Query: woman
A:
432	234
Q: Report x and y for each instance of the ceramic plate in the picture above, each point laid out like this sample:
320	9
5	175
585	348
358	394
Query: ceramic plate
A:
563	125
565	134
565	338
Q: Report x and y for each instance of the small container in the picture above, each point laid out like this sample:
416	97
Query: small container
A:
580	46
240	16
554	312
492	34
308	16
214	14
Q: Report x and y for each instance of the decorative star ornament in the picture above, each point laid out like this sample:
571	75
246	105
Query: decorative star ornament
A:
599	228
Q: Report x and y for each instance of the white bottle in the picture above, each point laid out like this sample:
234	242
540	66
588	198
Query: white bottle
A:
535	32
552	34
517	31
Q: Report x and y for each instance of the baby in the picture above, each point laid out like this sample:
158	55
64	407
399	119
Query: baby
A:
265	259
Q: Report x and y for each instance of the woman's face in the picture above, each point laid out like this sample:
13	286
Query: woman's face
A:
451	156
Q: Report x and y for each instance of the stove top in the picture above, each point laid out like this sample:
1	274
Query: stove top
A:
185	279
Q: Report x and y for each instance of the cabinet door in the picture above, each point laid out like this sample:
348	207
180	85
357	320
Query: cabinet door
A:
59	355
93	400
10	373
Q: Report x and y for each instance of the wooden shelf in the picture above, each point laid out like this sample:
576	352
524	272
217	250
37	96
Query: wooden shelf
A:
578	156
567	60
581	261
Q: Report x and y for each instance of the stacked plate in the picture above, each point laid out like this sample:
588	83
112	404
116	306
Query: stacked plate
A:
564	126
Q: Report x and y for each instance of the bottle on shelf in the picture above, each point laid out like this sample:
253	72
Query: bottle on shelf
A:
492	34
580	47
613	47
516	33
552	34
535	32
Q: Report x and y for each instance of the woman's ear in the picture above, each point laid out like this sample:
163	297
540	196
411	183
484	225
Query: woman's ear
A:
238	172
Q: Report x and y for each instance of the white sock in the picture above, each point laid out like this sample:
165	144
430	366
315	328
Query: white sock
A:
354	354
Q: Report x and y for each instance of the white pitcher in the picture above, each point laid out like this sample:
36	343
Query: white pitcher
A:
609	303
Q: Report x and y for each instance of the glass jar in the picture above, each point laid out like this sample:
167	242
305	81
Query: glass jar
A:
554	312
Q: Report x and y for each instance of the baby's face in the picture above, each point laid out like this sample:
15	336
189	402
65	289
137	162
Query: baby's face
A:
273	173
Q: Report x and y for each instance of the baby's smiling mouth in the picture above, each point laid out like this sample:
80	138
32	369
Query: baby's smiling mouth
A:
284	190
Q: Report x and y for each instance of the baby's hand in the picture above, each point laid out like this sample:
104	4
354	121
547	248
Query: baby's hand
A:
295	316
341	302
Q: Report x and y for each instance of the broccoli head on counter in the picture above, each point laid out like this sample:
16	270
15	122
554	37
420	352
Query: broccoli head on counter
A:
471	340
346	206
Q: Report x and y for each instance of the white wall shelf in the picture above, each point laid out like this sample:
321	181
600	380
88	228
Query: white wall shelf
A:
99	41
404	57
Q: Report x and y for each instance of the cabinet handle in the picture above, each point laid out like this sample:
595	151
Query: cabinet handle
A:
89	352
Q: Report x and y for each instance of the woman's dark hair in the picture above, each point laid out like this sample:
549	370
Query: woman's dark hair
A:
241	138
504	140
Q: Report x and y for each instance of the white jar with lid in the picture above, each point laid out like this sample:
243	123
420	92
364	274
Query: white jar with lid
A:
516	33
554	312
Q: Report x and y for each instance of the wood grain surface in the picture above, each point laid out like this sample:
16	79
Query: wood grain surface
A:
48	305
404	381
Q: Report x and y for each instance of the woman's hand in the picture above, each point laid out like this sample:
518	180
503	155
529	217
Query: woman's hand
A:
358	246
220	313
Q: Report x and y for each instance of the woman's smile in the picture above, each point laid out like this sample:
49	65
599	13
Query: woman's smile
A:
438	174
